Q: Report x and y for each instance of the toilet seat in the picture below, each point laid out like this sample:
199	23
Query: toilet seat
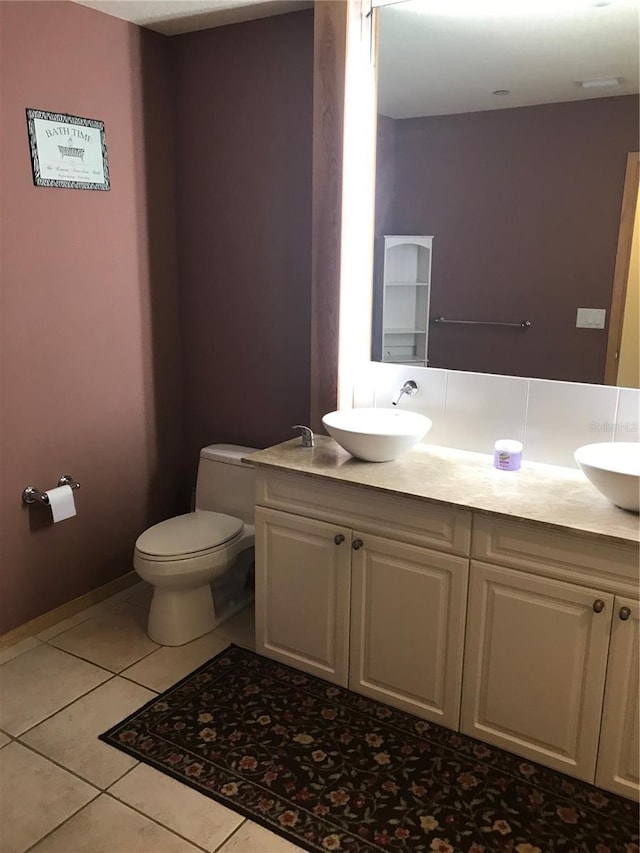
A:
190	536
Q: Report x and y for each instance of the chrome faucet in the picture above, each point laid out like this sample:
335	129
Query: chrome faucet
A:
409	388
308	439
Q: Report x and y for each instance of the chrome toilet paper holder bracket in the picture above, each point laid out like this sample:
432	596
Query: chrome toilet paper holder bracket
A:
31	495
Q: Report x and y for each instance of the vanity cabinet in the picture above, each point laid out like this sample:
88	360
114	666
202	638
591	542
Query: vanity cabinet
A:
407	627
381	614
618	756
535	665
551	670
520	635
303	593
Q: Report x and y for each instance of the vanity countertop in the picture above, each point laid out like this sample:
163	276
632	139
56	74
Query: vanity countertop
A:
556	497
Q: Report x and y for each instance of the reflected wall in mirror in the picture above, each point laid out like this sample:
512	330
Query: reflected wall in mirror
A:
503	141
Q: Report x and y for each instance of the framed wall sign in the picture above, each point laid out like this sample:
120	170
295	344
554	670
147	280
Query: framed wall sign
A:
67	151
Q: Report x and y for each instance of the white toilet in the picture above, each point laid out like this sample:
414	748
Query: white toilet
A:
200	564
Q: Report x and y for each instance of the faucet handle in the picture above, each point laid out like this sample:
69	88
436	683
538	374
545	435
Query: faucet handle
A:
409	388
308	438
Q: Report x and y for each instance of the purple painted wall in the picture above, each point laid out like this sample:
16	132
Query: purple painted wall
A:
524	205
89	353
243	135
209	139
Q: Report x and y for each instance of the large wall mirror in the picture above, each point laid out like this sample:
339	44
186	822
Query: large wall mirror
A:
506	134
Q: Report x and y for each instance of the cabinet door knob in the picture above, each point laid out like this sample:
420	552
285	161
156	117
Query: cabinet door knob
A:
357	544
624	613
598	605
338	538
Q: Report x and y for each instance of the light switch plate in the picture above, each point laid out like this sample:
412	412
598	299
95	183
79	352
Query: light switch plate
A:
591	318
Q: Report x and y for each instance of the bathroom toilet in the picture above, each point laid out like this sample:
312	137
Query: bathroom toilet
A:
200	564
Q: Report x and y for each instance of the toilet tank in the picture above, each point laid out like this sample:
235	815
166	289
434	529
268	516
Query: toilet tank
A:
225	483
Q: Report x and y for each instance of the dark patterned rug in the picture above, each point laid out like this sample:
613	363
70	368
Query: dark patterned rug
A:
331	770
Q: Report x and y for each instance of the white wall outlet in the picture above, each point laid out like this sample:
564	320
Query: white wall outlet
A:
591	318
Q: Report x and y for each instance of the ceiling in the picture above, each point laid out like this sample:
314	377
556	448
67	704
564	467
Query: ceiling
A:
436	64
440	63
173	17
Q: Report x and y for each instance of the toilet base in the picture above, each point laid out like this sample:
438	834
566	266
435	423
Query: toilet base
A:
232	607
177	616
192	597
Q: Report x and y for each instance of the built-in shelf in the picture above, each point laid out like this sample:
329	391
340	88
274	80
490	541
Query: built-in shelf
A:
406	284
406	292
391	359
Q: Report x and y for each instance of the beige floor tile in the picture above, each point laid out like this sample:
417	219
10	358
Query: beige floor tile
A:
41	682
136	588
126	593
70	737
169	664
176	806
114	638
4	740
35	797
141	596
77	619
252	838
11	652
107	826
241	628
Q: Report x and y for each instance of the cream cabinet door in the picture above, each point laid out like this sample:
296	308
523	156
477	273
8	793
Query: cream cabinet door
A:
535	662
407	627
303	581
619	750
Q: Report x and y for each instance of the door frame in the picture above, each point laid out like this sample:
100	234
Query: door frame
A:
621	274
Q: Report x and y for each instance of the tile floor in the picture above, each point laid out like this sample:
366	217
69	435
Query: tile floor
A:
64	791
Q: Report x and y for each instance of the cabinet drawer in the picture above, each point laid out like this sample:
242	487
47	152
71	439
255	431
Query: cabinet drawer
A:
584	560
403	519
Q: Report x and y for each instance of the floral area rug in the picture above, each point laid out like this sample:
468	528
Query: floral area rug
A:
331	770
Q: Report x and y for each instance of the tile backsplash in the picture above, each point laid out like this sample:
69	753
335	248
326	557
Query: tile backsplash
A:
470	411
562	416
481	408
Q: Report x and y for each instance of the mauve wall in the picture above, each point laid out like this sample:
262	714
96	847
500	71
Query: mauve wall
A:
89	338
385	166
524	205
243	141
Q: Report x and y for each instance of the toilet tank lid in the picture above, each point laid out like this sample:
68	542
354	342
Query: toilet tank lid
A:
232	454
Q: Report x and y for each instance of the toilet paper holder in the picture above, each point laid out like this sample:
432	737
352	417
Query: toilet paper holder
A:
31	495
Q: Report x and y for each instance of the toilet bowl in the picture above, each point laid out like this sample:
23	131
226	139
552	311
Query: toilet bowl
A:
199	564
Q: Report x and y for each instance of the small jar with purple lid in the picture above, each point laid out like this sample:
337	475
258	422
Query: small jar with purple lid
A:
507	455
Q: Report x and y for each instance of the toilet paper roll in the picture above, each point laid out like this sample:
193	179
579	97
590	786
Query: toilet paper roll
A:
62	503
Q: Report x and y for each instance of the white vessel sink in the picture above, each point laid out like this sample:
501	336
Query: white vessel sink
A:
376	435
614	469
